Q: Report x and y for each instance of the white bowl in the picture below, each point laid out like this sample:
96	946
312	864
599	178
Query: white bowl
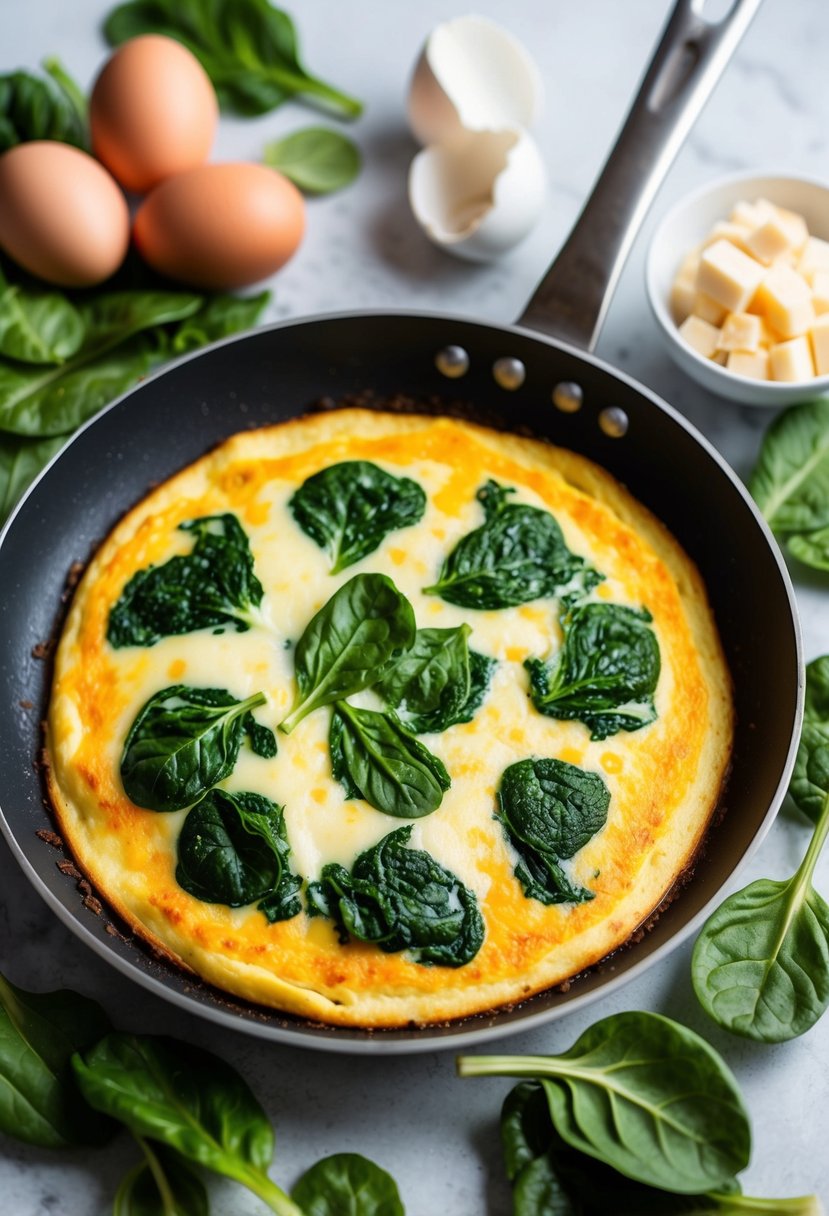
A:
684	227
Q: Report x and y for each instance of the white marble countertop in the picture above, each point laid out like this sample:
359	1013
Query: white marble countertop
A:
438	1135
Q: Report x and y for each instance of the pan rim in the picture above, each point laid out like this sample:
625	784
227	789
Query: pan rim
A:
503	1022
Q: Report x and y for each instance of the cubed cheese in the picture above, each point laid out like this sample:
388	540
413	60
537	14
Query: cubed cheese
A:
727	274
769	241
820	291
819	333
700	335
791	360
751	215
749	363
740	331
708	309
684	288
785	300
815	257
793	224
727	230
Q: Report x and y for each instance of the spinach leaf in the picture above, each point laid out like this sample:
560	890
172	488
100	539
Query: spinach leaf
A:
401	899
437	663
37	326
549	810
164	1184
48	108
182	743
347	1184
452	711
378	759
217	318
518	554
39	1032
811	548
349	641
20	462
605	673
644	1095
212	587
316	159
248	49
810	780
349	508
187	1099
233	849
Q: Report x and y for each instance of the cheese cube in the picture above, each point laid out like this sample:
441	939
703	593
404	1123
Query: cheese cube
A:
684	288
814	257
727	230
770	241
751	215
700	335
820	291
793	224
708	309
740	331
785	300
819	333
720	356
728	275
746	363
791	360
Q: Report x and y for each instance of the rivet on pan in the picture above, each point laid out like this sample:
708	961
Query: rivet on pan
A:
452	361
614	422
568	397
509	373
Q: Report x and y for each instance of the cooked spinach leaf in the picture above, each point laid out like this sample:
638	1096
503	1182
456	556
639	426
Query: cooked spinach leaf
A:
233	849
549	810
37	326
760	966
247	47
642	1094
183	742
51	107
348	643
211	587
187	1099
437	663
347	1184
316	159
401	899
39	1032
452	710
378	759
163	1184
349	508
605	673
518	554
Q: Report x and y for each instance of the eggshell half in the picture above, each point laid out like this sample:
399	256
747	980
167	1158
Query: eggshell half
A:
62	216
152	113
220	226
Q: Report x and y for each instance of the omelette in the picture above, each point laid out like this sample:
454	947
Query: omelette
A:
382	720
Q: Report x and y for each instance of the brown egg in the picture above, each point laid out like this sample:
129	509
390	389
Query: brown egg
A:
62	216
152	112
220	226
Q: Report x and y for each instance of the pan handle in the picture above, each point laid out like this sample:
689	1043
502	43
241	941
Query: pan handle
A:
571	300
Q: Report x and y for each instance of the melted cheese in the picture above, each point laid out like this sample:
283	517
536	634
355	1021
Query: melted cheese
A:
663	779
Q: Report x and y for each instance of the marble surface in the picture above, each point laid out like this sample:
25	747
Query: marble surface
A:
436	1134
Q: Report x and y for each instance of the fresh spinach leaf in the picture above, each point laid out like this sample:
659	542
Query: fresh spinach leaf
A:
348	643
605	673
211	587
20	462
549	810
434	670
37	326
760	966
219	317
811	548
164	1184
349	508
39	1032
401	899
644	1095
452	710
518	554
378	759
183	742
316	159
187	1099
51	107
247	47
233	849
347	1184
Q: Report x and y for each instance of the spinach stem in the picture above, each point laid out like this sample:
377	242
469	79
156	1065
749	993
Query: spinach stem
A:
800	1205
807	866
167	1198
268	1192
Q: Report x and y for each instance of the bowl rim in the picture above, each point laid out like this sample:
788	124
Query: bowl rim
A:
778	392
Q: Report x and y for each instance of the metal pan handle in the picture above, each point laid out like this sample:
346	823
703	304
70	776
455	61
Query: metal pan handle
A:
571	300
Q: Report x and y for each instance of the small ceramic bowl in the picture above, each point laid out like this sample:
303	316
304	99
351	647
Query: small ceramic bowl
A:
684	227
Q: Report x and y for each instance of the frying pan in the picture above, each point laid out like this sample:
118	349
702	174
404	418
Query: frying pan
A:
277	373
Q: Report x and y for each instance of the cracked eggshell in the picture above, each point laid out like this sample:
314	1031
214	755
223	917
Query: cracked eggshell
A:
472	75
479	194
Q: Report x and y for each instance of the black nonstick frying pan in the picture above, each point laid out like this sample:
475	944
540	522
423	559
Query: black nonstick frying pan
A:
545	384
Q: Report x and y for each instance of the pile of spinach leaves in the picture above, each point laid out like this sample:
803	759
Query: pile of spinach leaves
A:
42	107
70	1080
